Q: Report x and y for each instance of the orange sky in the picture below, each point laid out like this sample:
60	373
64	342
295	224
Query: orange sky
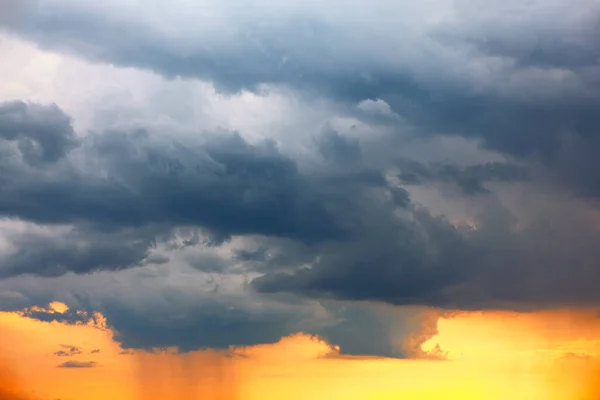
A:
492	355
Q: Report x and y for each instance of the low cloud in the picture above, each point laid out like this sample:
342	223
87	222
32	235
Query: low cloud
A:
469	180
78	364
216	238
67	351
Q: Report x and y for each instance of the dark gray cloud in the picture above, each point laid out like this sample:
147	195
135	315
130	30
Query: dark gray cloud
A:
146	313
311	45
530	39
521	84
69	317
122	192
469	180
402	262
529	90
343	231
272	255
336	148
225	185
78	250
78	364
42	133
220	325
544	260
377	330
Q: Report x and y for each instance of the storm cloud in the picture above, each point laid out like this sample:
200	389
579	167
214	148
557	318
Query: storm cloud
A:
526	86
241	236
125	179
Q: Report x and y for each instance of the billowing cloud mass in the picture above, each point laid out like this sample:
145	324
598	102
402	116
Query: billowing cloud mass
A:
218	173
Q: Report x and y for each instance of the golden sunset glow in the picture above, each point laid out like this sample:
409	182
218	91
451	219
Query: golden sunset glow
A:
491	355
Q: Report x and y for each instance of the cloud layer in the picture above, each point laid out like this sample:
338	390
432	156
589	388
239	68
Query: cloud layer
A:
300	165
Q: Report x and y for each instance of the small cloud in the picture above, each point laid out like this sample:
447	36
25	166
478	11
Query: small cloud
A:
78	364
95	351
67	350
377	107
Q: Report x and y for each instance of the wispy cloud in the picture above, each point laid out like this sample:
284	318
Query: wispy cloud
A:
78	364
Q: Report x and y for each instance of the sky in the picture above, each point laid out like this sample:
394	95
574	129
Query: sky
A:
241	199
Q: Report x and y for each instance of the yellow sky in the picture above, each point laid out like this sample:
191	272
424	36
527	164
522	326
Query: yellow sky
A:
494	356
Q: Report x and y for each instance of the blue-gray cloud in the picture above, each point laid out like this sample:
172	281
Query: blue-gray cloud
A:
351	232
78	364
42	133
518	79
522	79
145	313
469	180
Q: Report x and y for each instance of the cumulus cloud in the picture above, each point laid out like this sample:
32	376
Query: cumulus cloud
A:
521	78
127	179
501	261
42	133
346	231
180	308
